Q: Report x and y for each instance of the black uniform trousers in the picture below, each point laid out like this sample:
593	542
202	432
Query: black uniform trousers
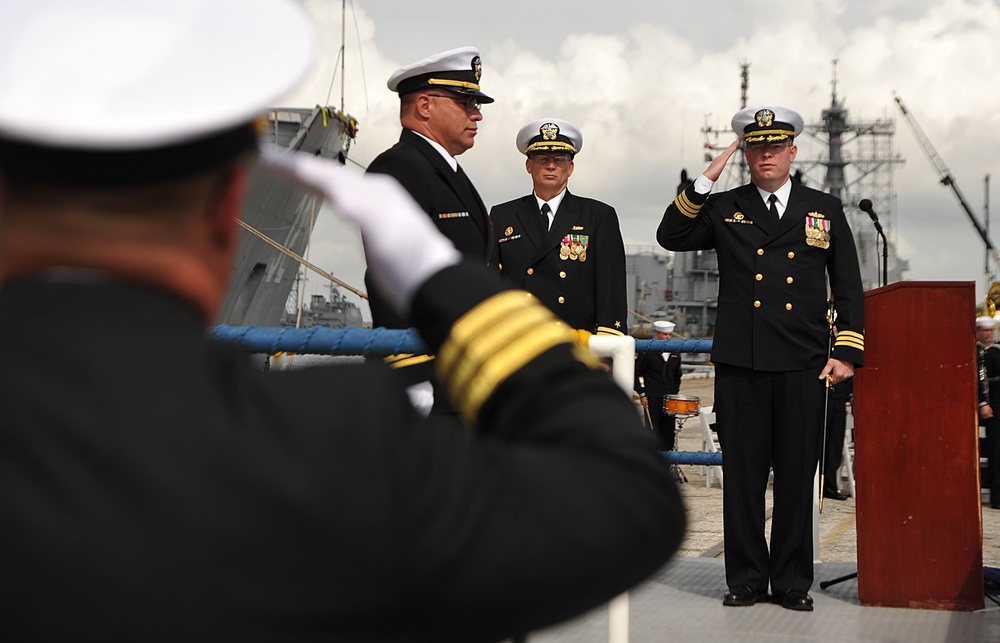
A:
765	420
836	427
662	422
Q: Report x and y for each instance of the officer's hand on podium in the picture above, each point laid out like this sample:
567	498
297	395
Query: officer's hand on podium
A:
402	247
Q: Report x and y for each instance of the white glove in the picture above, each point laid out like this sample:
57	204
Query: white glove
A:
402	246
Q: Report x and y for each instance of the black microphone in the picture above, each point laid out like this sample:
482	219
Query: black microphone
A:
866	205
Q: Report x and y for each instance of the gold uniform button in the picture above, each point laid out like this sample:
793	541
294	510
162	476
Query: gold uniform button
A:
759	276
760	251
562	275
788	306
562	300
756	304
791	255
531	271
790	280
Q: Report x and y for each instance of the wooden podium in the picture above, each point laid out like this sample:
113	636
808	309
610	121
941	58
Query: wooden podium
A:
919	509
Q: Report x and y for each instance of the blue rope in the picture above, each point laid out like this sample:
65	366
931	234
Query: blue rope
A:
319	340
380	342
708	458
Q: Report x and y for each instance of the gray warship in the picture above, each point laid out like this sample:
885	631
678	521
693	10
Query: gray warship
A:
263	273
333	312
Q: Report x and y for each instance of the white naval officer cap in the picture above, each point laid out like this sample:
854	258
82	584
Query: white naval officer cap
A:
125	92
767	123
664	326
985	322
456	70
549	135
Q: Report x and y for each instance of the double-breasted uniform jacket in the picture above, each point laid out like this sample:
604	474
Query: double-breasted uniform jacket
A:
155	486
772	308
450	199
576	268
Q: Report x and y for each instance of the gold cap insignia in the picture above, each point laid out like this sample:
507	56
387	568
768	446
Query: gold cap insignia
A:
477	67
764	118
549	131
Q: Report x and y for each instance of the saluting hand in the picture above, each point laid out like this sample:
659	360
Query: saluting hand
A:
718	164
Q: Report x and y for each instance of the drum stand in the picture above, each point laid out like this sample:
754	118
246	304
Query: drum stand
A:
675	469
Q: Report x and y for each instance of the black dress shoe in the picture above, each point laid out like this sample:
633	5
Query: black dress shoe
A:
835	495
795	599
743	596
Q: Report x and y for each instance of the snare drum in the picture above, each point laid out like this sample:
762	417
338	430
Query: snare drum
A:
681	405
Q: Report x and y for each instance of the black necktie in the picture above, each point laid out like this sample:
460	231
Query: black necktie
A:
773	207
545	216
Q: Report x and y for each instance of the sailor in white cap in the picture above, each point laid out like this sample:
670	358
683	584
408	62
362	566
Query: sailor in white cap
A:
658	375
155	485
778	244
564	248
440	111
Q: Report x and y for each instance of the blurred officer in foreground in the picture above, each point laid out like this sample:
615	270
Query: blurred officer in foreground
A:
778	242
565	249
440	103
155	486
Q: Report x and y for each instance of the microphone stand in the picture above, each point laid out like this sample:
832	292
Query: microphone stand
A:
885	254
866	206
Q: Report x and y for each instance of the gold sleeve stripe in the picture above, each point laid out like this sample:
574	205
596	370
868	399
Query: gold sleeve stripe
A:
502	365
850	339
605	330
688	209
403	360
492	341
480	320
479	352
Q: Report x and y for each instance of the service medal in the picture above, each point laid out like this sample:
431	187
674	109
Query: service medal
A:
817	231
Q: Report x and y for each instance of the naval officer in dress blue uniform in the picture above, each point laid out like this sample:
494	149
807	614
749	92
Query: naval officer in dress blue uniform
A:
565	249
440	103
778	243
170	491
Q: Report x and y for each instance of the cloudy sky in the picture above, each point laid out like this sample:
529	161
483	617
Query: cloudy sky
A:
641	79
